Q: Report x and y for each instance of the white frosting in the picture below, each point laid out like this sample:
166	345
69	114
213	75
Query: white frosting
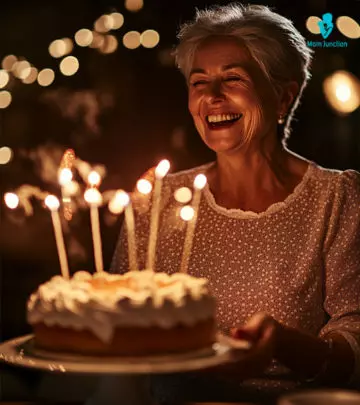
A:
77	304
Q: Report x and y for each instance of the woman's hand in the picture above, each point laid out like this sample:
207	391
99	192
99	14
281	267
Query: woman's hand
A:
261	330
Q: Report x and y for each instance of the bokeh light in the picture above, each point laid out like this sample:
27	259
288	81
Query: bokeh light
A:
131	40
8	62
149	38
117	20
83	37
187	213
46	77
110	44
134	5
32	76
97	40
183	195
144	186
4	78
348	27
6	155
21	69
57	48
342	92
11	200
312	24
5	98
94	178
69	66
103	24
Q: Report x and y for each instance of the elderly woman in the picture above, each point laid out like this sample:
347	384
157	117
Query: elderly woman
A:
277	236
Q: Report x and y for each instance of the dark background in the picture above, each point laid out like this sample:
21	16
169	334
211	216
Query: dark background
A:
138	117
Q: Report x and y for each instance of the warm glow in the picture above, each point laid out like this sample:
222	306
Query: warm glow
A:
131	40
134	5
69	66
11	200
200	181
69	45
342	91
120	200
312	24
84	37
117	20
46	77
103	24
57	48
52	202
93	196
348	27
94	178
21	69
71	188
149	39
65	176
144	186
110	44
5	155
97	40
32	76
4	78
8	62
5	99
187	213
162	168
183	195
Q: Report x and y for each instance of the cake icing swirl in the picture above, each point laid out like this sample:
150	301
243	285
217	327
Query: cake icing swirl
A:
103	301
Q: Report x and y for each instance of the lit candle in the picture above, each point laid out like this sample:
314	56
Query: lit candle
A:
94	178
53	204
94	199
191	216
65	179
120	201
160	172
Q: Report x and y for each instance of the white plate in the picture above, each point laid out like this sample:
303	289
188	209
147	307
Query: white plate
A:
21	352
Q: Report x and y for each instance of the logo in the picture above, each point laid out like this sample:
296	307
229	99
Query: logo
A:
326	25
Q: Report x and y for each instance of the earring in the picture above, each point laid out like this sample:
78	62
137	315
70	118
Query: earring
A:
281	119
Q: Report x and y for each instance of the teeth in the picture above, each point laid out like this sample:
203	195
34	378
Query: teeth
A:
223	117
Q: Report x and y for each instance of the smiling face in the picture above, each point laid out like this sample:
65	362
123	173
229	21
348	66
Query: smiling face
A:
230	100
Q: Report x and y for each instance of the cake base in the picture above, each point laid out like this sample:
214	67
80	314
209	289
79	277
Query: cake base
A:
127	341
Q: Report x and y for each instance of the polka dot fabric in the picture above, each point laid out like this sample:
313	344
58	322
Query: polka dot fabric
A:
299	260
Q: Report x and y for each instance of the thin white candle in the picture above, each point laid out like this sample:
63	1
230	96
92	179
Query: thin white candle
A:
53	204
160	172
120	201
65	178
93	198
199	184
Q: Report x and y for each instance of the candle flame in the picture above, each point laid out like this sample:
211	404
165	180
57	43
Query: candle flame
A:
183	195
52	202
187	213
94	178
200	181
120	200
144	186
162	168
11	200
93	196
65	176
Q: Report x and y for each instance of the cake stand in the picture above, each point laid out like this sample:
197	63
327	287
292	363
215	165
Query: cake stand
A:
123	379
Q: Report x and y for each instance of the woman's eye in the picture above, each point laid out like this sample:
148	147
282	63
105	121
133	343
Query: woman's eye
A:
198	83
232	79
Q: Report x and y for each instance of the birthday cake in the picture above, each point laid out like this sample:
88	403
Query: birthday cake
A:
135	314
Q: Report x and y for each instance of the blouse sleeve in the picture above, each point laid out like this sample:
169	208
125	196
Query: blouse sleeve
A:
342	265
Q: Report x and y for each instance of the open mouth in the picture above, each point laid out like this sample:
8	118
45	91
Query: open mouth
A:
222	120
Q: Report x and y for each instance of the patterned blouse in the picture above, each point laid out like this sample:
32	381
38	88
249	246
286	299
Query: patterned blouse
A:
299	260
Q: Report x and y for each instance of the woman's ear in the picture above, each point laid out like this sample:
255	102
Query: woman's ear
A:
287	97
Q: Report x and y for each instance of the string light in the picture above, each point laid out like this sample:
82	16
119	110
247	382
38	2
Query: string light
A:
348	27
8	62
110	44
4	78
6	155
312	24
32	76
117	20
83	37
149	38
69	66
134	5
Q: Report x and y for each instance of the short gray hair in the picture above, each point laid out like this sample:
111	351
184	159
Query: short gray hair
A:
272	40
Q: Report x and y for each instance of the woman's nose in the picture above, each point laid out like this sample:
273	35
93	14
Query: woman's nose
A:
215	91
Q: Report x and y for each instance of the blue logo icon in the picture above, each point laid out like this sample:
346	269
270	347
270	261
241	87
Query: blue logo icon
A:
326	25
